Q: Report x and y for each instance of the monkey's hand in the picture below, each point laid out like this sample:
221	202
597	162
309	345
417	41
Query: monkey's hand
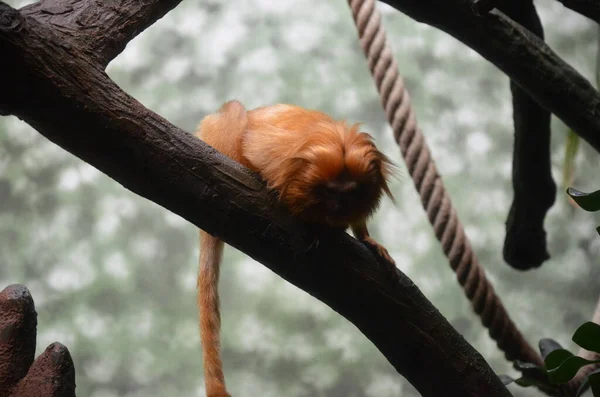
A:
380	251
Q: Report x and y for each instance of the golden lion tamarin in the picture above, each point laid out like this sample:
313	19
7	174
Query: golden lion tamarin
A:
323	170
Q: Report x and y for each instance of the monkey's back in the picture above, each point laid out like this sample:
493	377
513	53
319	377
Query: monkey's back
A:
275	134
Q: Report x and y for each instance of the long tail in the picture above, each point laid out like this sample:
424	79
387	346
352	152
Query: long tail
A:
224	131
211	251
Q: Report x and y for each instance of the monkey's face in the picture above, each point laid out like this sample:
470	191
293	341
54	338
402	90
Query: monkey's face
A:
346	199
336	179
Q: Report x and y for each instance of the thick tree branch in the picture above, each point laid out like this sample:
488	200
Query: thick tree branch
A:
102	29
533	186
67	97
589	8
525	58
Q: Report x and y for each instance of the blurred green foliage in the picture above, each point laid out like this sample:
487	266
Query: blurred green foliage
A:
113	275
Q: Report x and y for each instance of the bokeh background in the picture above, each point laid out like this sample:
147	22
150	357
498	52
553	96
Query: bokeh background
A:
113	275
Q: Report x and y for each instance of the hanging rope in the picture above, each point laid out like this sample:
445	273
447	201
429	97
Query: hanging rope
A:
434	196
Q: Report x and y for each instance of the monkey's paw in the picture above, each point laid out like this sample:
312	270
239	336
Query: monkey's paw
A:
380	251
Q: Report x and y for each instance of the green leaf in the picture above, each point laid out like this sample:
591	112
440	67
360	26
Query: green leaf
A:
587	201
532	374
556	358
594	380
547	346
588	336
568	369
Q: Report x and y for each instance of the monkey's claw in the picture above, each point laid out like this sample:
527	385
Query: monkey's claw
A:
380	251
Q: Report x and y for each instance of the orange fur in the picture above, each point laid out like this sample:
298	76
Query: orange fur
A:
323	170
296	150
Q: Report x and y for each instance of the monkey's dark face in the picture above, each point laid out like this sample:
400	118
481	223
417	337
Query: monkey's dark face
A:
345	200
336	180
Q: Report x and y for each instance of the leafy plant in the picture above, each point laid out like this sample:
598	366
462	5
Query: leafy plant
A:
560	365
587	201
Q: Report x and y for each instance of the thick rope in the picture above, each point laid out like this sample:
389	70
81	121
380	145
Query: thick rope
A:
434	197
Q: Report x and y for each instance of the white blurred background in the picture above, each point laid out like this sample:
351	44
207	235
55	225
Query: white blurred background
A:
113	275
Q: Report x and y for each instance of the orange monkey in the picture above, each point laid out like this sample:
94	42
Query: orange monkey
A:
324	172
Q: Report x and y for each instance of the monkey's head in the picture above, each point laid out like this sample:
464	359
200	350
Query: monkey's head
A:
335	176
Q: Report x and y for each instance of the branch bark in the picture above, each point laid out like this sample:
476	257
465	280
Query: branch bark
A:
525	58
58	86
103	30
533	186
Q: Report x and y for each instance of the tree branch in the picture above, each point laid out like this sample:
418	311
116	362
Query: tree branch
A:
525	58
100	29
63	92
589	8
533	186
